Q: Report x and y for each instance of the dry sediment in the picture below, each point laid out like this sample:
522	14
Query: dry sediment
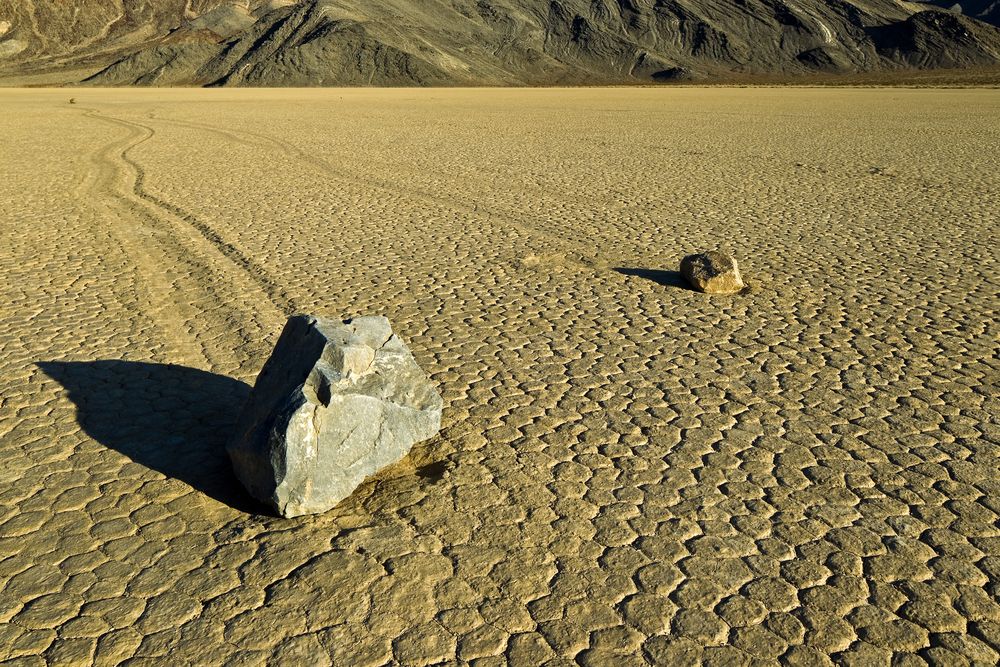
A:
803	472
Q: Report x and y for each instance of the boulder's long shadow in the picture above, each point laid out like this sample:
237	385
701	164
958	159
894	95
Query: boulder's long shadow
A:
173	419
665	278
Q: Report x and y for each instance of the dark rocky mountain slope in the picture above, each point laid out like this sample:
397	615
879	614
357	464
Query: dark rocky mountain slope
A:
461	42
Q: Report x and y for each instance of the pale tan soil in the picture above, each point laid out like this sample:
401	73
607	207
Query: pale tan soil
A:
629	471
42	79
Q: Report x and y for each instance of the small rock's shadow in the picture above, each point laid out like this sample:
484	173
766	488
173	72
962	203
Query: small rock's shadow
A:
173	419
433	472
665	278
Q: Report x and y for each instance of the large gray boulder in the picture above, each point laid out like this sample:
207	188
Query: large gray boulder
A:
713	272
335	403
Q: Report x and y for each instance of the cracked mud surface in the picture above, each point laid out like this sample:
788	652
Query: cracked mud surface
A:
629	472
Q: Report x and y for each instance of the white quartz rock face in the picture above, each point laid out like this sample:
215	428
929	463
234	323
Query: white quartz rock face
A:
335	403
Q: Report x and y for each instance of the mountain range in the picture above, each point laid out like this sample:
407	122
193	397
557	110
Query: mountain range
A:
484	42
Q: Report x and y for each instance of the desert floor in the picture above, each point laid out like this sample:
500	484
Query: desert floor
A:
628	472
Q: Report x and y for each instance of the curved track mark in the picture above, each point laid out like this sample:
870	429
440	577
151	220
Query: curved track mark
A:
580	248
275	292
155	288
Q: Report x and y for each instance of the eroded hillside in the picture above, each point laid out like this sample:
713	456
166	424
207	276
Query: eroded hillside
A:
456	42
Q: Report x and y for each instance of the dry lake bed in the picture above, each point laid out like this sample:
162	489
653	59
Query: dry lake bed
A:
629	472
